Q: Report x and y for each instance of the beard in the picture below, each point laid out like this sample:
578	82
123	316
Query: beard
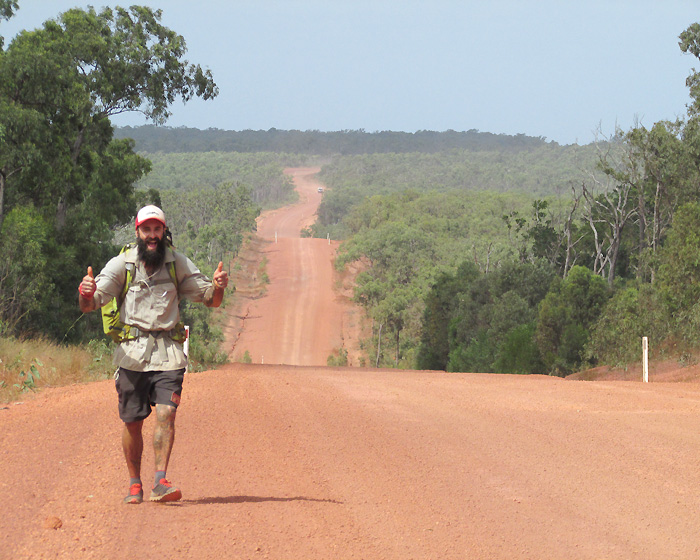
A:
151	258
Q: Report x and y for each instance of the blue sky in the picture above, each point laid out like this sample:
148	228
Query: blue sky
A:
560	69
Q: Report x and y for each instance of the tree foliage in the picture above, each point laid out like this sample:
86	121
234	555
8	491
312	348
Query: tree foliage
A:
632	313
154	139
407	241
61	170
25	287
491	313
480	252
566	315
679	273
262	172
209	222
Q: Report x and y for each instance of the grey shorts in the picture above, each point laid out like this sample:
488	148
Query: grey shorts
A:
140	390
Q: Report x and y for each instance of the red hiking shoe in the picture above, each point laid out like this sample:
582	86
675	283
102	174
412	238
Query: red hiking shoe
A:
135	494
165	492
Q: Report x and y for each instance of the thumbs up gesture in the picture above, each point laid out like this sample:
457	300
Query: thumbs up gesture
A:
88	286
220	277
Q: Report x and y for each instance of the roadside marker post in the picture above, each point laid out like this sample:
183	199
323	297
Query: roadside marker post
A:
645	359
186	346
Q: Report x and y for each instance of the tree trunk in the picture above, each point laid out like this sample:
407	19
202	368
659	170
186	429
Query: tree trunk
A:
62	207
4	176
61	212
2	198
641	205
570	258
614	254
656	228
396	359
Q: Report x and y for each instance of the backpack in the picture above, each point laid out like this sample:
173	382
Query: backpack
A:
111	322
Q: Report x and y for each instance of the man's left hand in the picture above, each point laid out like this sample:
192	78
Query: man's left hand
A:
220	277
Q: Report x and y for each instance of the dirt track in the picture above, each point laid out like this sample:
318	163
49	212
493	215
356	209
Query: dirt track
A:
310	462
303	318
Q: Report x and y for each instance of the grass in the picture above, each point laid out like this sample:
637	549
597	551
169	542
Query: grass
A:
339	357
29	365
262	270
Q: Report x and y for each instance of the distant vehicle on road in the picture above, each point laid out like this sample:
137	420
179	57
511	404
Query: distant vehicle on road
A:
320	189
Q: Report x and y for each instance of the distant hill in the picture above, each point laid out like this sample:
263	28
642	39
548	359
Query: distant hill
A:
153	139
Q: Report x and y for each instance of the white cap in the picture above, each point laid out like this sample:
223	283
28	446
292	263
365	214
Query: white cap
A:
150	213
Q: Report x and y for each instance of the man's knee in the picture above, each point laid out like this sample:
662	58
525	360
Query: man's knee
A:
165	413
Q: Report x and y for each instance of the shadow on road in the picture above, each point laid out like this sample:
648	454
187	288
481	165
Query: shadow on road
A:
254	499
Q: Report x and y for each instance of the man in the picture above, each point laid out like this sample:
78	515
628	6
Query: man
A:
151	365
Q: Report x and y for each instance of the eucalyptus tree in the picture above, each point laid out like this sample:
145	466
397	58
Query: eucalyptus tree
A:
59	87
607	195
8	8
75	73
565	317
667	178
690	43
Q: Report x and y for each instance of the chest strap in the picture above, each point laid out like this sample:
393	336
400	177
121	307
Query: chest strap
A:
155	338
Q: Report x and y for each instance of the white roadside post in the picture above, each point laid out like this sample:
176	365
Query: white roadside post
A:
186	346
329	238
645	359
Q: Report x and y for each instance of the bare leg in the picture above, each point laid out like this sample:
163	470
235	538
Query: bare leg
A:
164	435
132	443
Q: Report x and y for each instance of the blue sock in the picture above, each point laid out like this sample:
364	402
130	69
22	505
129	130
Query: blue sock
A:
133	481
159	475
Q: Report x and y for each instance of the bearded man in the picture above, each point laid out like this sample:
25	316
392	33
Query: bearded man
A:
150	363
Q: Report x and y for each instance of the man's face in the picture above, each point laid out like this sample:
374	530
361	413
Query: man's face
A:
150	243
151	232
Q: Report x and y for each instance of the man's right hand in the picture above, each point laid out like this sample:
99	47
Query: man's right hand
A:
87	292
88	286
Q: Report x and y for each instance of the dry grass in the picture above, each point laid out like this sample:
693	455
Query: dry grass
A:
56	365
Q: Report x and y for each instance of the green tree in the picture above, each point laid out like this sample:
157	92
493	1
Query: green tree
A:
519	353
440	303
690	43
208	223
565	316
85	67
59	85
482	315
24	279
630	314
679	271
7	10
477	356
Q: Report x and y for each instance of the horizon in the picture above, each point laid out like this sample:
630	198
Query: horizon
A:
183	127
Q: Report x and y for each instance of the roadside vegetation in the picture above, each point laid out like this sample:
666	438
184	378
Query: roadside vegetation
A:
179	172
28	365
487	278
69	188
480	252
544	259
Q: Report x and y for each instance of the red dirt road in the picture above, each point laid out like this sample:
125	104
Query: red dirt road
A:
300	321
311	462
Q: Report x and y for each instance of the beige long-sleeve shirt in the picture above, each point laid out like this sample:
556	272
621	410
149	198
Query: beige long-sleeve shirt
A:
151	305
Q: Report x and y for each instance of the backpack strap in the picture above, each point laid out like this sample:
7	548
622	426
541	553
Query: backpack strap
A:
131	258
130	266
130	270
178	333
173	276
